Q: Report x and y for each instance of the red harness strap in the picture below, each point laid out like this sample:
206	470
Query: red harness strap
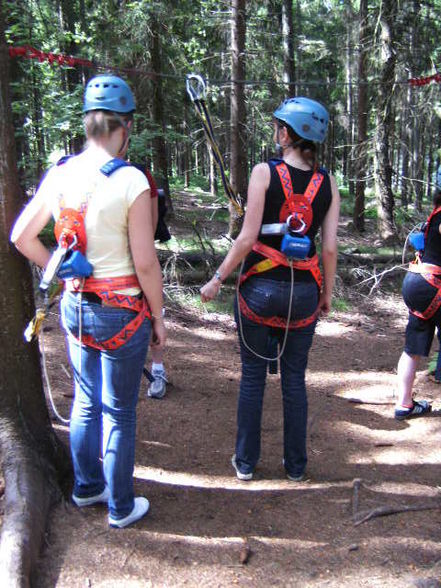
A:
274	258
105	289
429	272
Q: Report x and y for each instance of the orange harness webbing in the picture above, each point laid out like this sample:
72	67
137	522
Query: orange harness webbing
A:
274	258
105	289
429	272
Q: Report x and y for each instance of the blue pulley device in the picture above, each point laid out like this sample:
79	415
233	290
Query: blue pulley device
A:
75	266
295	246
417	240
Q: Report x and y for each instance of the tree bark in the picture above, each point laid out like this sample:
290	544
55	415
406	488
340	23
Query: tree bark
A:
384	123
160	151
362	118
289	69
33	461
238	168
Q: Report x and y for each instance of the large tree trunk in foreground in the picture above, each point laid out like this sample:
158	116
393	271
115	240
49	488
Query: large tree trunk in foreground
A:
33	461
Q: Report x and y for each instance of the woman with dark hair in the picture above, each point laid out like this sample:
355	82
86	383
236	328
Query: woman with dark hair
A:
422	295
102	209
282	293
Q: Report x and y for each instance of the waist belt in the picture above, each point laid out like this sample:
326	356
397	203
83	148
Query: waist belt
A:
432	274
274	258
104	289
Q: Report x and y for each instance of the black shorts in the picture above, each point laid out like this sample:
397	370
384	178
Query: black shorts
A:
418	294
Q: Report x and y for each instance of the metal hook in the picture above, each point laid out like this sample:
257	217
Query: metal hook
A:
300	220
196	87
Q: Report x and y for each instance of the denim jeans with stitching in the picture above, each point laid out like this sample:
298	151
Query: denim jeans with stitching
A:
103	419
268	298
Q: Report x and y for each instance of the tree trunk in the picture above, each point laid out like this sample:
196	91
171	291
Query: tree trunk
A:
384	123
160	151
238	168
33	461
362	117
288	49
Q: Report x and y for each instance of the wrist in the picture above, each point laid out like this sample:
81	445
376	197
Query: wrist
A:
218	277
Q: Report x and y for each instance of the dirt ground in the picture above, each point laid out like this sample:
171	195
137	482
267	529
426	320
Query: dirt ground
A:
204	522
206	528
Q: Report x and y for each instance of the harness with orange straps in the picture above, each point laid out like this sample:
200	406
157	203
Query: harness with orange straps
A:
71	226
431	273
300	209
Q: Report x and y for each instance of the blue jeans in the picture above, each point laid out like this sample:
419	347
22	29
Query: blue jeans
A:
103	419
268	298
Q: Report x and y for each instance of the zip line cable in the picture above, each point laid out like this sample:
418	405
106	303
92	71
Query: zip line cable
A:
29	52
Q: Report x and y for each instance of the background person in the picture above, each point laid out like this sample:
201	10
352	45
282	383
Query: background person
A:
421	288
298	124
100	313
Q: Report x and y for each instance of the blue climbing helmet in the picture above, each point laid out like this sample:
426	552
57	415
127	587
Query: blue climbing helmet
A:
108	92
308	118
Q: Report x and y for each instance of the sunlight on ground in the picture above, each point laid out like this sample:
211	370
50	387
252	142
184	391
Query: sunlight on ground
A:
228	541
333	329
161	476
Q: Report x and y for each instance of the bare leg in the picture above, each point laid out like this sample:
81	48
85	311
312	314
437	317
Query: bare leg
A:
407	366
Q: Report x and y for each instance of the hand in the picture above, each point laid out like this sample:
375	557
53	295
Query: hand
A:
324	305
210	290
159	333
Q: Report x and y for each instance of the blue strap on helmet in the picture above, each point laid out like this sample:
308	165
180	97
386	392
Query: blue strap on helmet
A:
111	166
63	159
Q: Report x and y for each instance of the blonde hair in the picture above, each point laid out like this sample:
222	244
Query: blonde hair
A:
102	123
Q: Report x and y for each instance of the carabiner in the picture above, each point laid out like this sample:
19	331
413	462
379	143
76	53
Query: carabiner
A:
300	220
196	87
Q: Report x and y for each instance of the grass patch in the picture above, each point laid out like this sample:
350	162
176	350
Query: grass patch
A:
340	305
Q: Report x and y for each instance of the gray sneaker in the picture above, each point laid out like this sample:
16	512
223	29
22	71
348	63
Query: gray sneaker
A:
157	388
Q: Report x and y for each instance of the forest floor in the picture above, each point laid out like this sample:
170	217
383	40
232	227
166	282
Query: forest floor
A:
206	528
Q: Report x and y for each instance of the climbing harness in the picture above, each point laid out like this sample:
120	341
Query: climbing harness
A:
430	272
294	249
196	90
293	254
69	263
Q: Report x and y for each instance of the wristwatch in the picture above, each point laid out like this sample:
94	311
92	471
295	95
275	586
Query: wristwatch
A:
218	276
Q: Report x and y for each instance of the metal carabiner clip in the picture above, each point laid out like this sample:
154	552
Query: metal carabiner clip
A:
300	220
196	87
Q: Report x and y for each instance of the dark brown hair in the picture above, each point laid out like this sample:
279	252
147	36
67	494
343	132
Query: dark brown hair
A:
308	148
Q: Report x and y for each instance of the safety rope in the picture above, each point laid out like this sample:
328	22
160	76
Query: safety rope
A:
196	89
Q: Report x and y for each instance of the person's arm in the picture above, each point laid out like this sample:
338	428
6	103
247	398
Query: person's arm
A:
257	187
146	263
28	226
329	249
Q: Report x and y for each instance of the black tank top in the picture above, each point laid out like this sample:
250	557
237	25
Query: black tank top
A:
432	249
275	211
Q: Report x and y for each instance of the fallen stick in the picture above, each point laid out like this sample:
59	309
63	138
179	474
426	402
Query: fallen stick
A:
355	497
382	511
360	401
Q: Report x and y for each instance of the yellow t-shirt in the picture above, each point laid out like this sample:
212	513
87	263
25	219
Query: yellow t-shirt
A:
79	182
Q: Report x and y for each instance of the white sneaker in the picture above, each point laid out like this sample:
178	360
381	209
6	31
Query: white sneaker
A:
140	508
239	474
103	497
157	388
